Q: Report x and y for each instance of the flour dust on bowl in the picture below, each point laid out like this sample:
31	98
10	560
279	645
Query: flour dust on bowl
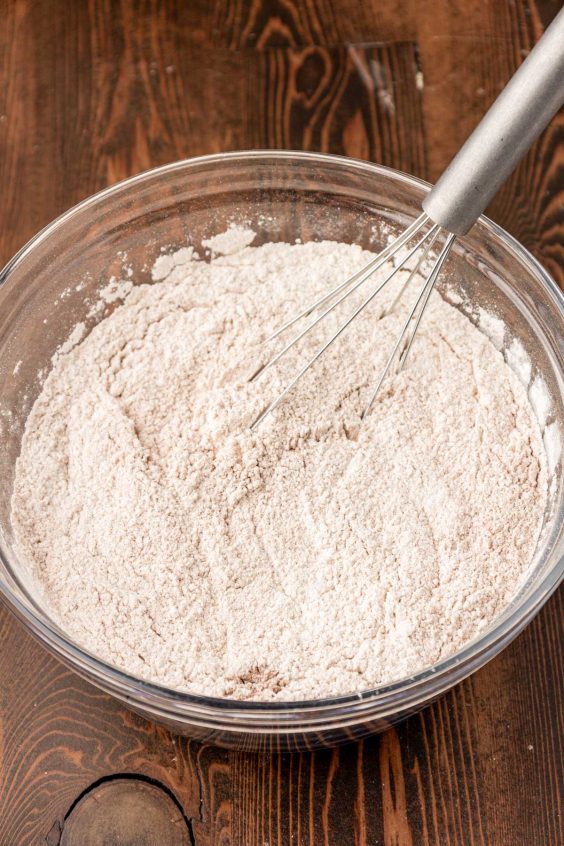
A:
306	583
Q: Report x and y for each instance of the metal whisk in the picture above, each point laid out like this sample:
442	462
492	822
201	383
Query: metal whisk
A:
507	131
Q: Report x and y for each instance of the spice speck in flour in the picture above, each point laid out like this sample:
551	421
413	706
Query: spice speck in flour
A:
313	557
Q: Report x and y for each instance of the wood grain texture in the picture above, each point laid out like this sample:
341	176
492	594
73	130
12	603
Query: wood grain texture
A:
355	100
128	811
95	90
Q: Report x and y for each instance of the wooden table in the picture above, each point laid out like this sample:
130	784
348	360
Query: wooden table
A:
92	91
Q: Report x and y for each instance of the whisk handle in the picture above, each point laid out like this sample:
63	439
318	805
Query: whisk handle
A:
510	127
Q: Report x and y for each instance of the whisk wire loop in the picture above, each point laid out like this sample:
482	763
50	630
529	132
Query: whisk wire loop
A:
432	232
360	275
404	342
411	325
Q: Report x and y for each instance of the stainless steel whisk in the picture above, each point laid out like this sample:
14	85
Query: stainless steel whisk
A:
516	119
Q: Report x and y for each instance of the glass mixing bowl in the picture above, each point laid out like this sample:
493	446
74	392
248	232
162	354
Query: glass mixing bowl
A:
52	282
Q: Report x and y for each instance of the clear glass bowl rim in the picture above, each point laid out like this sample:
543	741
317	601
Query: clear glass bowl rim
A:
284	716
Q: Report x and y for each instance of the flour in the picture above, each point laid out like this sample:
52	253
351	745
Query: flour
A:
314	557
73	339
231	241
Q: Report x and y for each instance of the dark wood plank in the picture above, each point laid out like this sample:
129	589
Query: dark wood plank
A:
286	23
262	24
93	91
355	100
468	52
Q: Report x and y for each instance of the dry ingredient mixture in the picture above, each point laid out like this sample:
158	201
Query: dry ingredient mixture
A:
315	557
